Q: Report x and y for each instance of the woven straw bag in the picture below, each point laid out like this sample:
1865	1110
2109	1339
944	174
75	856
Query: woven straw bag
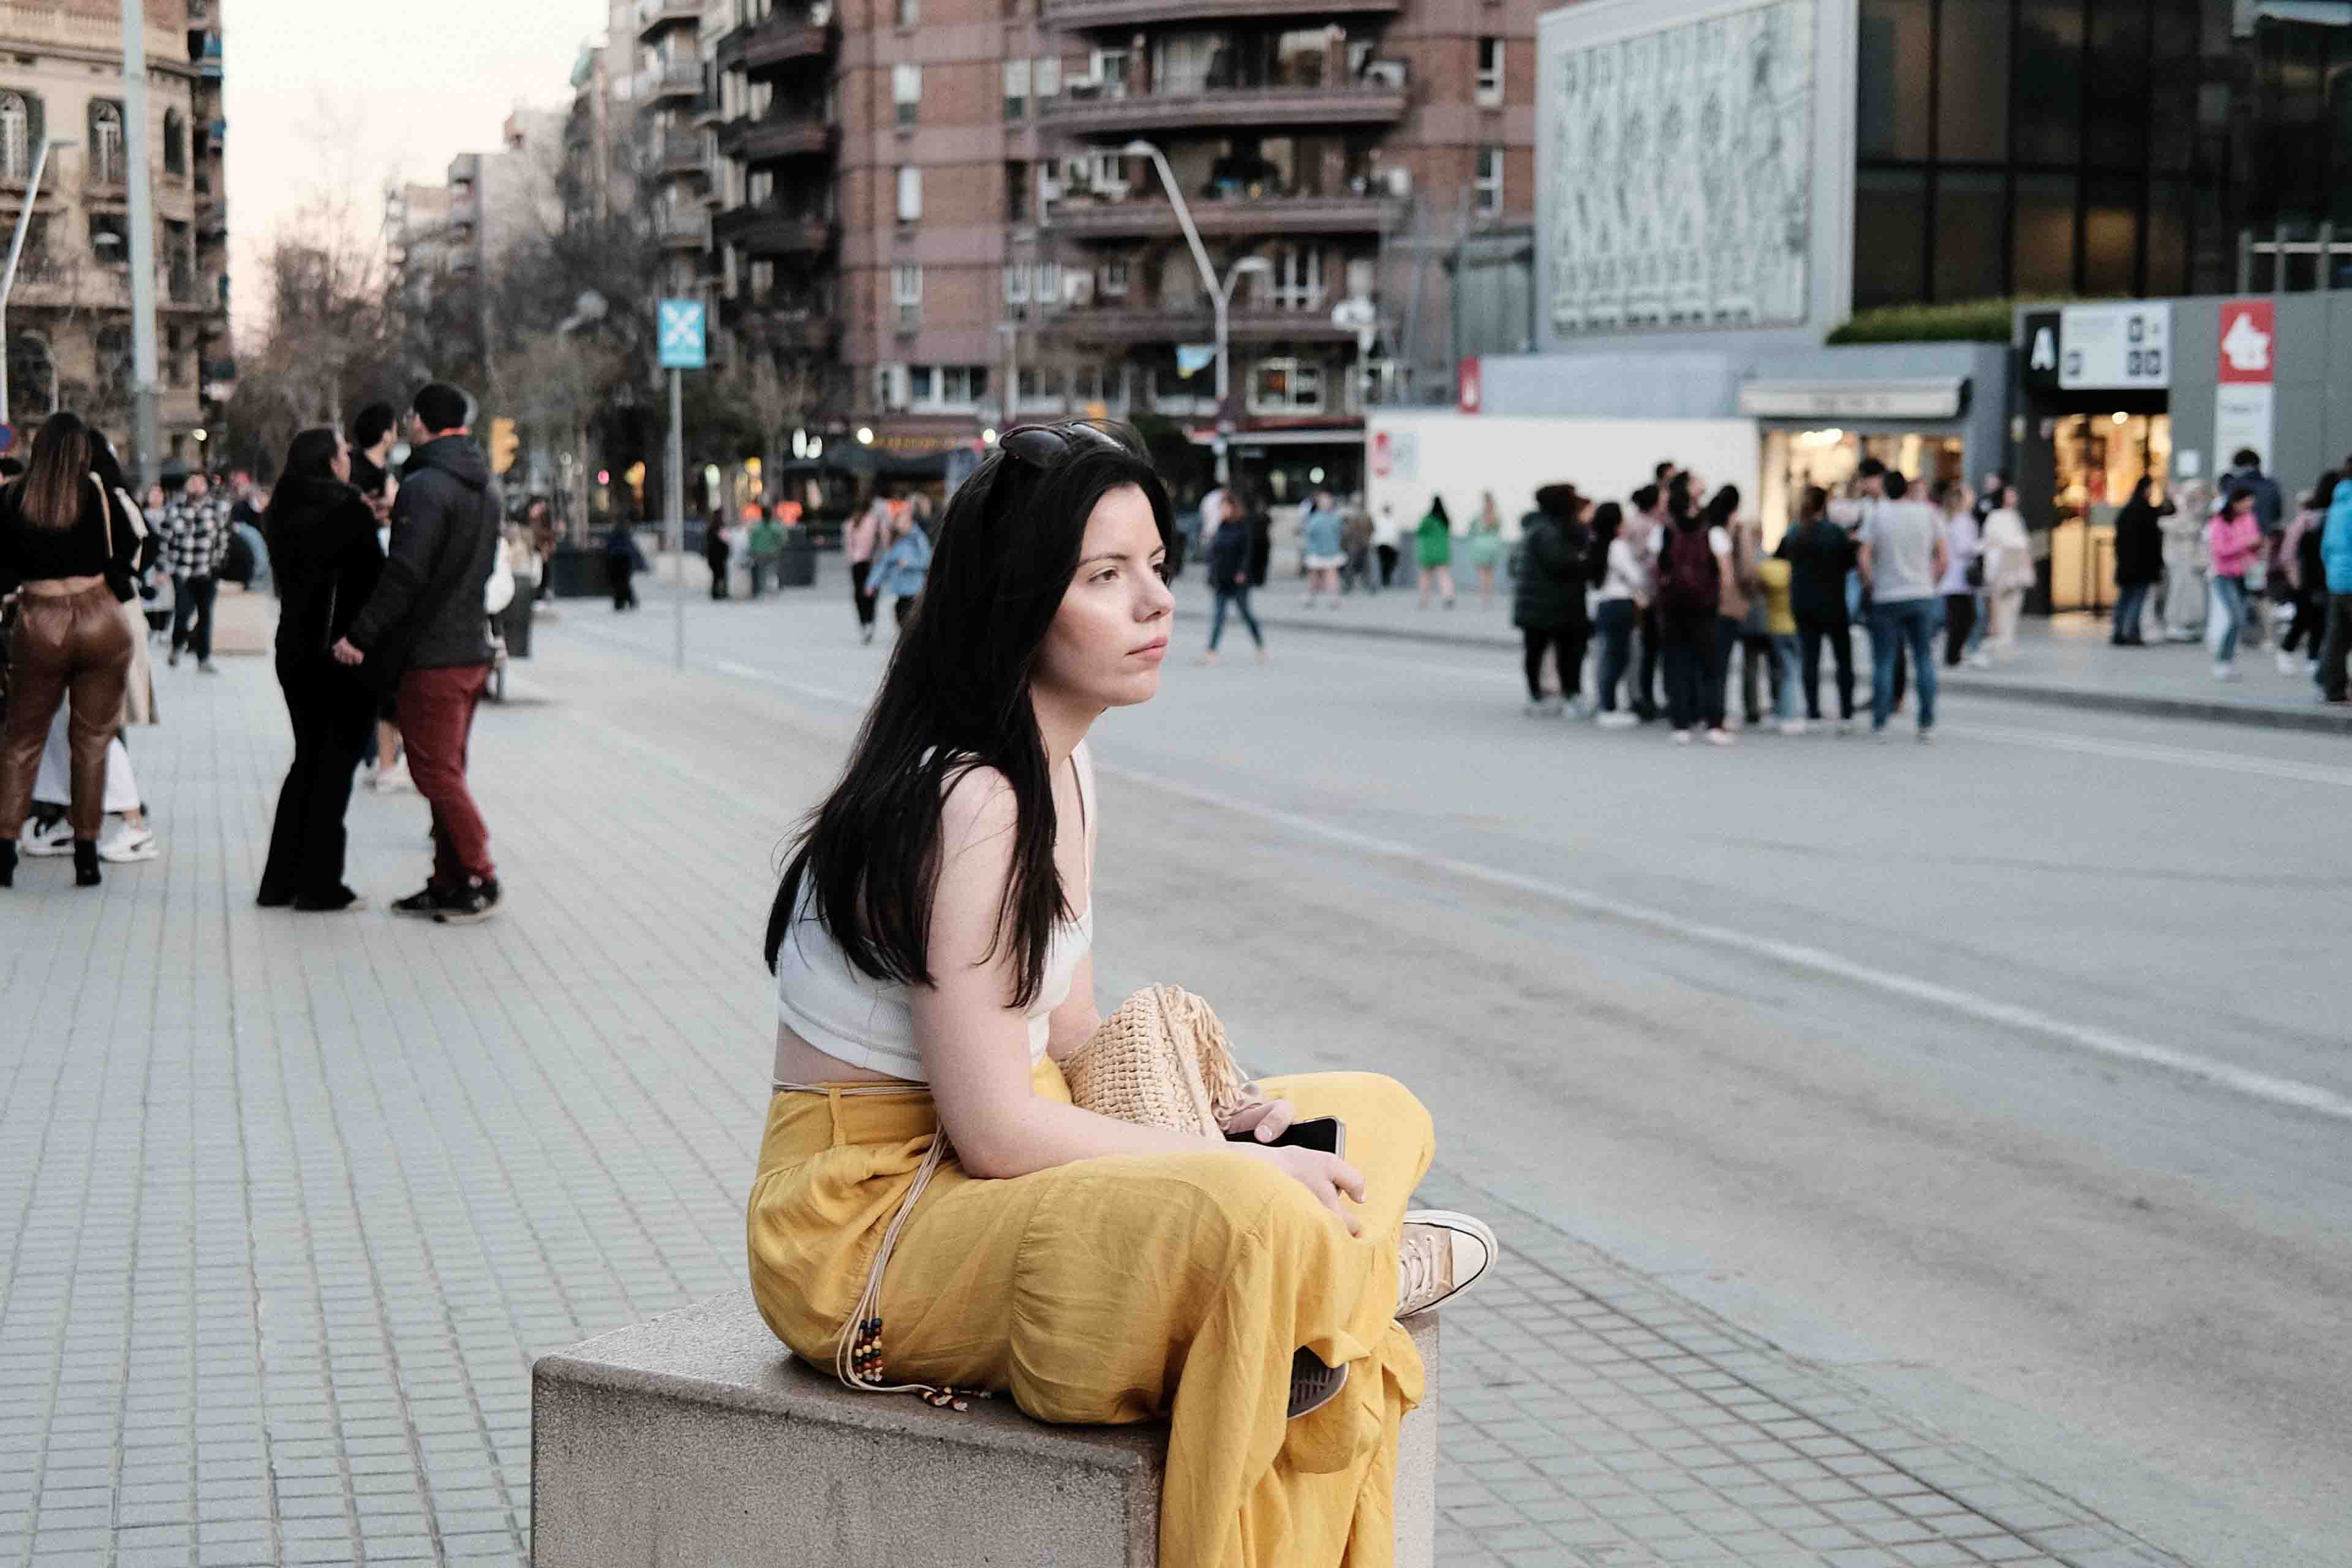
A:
1161	1061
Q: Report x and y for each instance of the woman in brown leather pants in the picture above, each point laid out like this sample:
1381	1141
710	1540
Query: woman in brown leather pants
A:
67	555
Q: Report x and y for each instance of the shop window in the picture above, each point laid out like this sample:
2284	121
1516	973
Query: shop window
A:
1972	81
2111	237
1892	81
2041	235
1490	73
2049	90
1890	218
1972	229
2119	87
907	90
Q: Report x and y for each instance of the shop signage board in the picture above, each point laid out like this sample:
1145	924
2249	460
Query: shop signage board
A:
1929	397
2104	348
2244	400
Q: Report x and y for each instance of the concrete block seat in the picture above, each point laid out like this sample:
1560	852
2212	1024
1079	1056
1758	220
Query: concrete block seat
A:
694	1439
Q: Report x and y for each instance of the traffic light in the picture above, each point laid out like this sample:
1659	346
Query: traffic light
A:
503	443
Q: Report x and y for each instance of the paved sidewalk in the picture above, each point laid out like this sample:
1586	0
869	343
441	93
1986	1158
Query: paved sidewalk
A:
2064	661
291	1203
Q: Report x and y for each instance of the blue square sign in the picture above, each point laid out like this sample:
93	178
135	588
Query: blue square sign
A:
679	323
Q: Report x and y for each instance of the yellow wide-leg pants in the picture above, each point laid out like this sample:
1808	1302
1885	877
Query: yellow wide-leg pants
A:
1133	1288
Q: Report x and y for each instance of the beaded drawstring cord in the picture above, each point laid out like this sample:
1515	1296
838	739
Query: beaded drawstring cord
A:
857	1353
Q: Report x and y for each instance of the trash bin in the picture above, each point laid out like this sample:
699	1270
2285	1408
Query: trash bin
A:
514	621
577	571
796	567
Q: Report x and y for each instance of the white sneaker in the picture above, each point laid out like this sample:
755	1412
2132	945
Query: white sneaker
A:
1543	707
1719	738
2225	672
1617	718
1442	1255
394	779
126	843
1681	737
54	839
1792	726
1980	660
2288	664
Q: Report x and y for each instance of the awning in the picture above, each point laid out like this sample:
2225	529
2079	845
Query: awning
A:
1345	435
2318	12
1924	397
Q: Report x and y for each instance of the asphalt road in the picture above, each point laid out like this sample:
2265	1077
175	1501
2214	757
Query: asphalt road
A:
2009	1074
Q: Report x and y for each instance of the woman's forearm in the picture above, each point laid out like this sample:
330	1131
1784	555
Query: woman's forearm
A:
1040	1134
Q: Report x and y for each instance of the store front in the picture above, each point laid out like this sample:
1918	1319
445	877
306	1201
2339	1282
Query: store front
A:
1819	433
2097	401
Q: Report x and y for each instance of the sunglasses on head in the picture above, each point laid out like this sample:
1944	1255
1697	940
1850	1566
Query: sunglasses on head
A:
1039	445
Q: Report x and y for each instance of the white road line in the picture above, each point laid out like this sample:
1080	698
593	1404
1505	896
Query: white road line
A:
2284	1091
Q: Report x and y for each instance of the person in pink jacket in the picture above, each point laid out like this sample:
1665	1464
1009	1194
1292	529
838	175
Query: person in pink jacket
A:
2233	540
858	543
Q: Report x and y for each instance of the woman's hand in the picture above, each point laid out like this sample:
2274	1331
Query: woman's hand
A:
1328	1177
1267	1119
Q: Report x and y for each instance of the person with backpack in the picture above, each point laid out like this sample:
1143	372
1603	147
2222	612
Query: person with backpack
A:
1547	594
1691	550
2335	577
1820	553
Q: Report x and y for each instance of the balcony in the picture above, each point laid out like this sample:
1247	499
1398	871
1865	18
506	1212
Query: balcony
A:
212	221
678	158
778	42
1190	323
766	228
1132	13
774	137
1367	103
656	17
792	328
1142	219
679	80
683	231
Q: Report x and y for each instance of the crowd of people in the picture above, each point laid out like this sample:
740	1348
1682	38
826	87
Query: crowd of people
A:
387	583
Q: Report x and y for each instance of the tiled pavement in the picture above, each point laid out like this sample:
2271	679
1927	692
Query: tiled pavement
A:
290	1205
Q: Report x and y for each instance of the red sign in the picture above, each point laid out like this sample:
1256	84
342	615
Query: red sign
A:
1466	384
2249	342
1380	453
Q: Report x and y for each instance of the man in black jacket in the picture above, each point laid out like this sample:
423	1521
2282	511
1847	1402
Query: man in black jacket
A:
425	622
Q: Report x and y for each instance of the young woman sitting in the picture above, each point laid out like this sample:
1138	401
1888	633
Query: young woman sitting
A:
932	944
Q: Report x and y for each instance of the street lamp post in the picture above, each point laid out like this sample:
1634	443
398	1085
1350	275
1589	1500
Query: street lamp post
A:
147	387
16	252
1220	293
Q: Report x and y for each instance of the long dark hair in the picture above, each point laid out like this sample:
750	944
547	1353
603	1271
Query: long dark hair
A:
1608	518
309	463
1678	500
2323	493
956	698
53	481
1723	507
1437	511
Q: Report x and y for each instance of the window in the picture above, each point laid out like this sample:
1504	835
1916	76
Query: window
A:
1087	385
893	389
1891	99
1890	226
1114	279
1108	72
949	386
1297	280
1016	285
1489	181
2118	88
1048	289
910	193
106	164
1049	77
1490	73
1286	386
906	293
1972	83
907	90
15	137
2048	91
909	12
175	143
1034	390
1972	218
1016	89
109	239
2041	239
2111	236
1016	193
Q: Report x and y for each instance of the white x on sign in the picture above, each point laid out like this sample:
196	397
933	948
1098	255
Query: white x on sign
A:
680	323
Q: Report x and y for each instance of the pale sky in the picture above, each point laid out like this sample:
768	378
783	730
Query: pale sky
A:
339	95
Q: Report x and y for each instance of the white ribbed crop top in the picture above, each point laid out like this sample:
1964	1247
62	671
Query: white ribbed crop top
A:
867	1022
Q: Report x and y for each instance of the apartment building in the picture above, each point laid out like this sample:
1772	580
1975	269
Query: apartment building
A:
69	330
678	106
943	199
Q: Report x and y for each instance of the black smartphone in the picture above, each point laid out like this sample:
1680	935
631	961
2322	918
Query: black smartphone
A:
1327	1133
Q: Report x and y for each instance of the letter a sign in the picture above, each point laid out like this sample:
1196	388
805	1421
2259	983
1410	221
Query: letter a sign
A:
2245	403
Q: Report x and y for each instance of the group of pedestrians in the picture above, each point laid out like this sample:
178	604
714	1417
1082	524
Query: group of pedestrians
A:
1675	586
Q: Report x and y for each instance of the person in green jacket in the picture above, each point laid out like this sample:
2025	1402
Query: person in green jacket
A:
1434	548
767	544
